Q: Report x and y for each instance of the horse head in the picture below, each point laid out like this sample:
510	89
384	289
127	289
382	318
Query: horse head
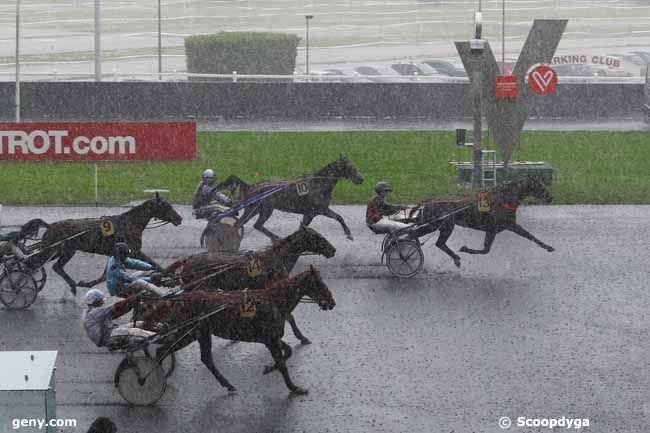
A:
344	168
315	288
310	240
534	186
162	210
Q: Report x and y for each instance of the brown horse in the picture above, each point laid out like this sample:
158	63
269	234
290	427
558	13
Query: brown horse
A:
500	214
308	195
63	239
252	316
232	271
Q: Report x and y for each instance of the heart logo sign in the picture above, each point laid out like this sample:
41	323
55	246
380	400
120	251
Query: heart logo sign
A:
542	79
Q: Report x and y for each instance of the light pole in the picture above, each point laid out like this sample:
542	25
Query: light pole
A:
98	41
159	41
307	18
476	46
17	95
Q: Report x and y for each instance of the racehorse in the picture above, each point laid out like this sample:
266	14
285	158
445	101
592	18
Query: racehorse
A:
503	202
308	195
256	317
63	239
232	271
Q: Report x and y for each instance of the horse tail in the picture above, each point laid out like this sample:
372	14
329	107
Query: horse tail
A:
31	227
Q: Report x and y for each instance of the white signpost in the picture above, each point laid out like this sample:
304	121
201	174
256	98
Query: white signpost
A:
27	389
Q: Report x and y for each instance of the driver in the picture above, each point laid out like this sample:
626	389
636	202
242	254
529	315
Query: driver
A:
99	325
119	282
378	211
207	199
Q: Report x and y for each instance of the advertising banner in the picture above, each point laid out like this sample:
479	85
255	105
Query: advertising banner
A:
101	141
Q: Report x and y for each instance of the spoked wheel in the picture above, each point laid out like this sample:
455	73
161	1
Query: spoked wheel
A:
40	276
141	381
222	236
404	258
18	290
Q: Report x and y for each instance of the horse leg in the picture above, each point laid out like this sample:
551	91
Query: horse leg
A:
331	214
446	229
516	228
296	331
487	244
287	354
64	257
275	347
205	344
265	214
307	219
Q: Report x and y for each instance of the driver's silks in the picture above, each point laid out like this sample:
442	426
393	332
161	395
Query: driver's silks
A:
483	201
247	308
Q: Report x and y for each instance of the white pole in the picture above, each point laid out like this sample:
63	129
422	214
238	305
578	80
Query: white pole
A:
17	96
503	37
96	186
98	41
159	40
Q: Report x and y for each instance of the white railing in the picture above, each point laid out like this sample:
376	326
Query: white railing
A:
312	78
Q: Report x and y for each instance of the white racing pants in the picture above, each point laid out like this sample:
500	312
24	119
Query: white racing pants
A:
127	335
387	225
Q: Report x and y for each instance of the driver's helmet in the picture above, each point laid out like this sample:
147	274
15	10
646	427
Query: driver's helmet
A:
121	251
94	296
208	175
383	187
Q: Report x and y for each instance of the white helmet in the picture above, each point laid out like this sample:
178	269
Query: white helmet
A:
93	296
208	173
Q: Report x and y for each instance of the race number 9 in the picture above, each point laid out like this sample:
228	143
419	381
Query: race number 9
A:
106	227
302	188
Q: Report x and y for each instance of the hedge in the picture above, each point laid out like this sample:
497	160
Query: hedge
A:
248	53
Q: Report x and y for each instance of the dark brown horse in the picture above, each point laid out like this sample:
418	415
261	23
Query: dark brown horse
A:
499	214
252	316
63	239
233	271
308	195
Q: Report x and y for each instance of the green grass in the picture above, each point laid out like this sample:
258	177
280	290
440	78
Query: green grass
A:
590	167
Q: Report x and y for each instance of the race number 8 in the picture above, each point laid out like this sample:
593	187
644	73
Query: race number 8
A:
107	228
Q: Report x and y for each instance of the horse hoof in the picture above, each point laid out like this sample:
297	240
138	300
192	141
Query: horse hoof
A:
268	369
305	341
300	391
550	249
457	263
74	291
232	389
350	237
463	249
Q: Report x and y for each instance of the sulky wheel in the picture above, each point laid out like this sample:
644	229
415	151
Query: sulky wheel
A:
141	381
404	258
18	290
222	236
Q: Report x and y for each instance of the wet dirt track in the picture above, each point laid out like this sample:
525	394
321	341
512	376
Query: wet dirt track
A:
519	332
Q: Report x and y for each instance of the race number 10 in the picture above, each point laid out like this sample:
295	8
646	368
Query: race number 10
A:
302	188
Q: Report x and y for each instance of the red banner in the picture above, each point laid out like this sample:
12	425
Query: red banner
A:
110	141
506	87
